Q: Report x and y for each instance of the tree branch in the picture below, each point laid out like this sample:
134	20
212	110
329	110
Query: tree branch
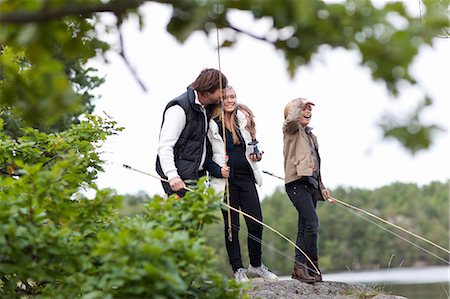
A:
22	17
124	57
261	38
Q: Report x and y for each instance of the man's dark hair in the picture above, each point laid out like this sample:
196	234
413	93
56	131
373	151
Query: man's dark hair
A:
208	81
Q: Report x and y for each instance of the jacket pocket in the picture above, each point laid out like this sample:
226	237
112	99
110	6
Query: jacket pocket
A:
216	135
300	158
301	163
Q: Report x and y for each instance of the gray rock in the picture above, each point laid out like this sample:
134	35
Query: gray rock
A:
292	289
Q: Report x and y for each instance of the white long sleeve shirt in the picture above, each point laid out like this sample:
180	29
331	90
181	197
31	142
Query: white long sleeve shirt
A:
174	123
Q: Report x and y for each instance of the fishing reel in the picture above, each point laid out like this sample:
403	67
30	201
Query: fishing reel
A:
255	151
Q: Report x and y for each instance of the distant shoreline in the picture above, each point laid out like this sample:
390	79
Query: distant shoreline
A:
422	275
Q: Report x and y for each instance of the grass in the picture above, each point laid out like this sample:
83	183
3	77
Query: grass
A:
370	292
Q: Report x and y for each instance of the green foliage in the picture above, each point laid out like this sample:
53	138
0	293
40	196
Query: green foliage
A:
161	253
411	133
76	150
351	240
57	243
133	204
388	38
301	27
45	45
43	80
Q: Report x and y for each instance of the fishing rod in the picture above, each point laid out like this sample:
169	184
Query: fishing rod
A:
376	217
227	183
330	199
316	270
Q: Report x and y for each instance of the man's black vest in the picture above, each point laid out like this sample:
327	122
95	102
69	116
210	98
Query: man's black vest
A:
188	149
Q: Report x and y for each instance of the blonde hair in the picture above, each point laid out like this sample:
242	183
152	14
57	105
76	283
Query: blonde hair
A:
301	102
234	128
251	125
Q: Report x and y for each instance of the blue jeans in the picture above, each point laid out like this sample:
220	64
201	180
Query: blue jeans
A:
303	196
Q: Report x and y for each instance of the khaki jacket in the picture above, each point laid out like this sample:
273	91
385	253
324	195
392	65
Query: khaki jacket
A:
298	161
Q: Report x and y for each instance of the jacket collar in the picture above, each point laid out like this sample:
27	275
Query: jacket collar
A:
193	99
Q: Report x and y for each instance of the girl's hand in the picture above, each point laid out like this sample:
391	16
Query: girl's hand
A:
256	157
225	171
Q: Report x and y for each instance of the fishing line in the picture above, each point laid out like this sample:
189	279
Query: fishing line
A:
316	270
397	235
334	199
278	233
263	243
270	246
244	232
392	224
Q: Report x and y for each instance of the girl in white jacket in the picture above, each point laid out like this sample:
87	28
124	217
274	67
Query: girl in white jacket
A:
244	174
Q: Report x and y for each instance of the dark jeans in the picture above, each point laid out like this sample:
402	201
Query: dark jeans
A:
245	196
303	196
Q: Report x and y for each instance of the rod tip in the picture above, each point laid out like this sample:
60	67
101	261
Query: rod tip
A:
126	166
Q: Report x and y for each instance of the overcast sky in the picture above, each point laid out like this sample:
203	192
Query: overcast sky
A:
349	104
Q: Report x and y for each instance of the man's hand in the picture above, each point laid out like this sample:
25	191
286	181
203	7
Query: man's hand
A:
177	184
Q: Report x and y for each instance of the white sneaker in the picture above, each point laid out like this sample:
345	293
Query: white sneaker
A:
240	275
261	271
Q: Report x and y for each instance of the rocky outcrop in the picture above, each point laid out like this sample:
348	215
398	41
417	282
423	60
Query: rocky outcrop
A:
290	289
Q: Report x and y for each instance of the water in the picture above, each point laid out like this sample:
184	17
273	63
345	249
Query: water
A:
413	283
419	291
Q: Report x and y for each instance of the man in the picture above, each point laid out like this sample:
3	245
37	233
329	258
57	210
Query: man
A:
182	139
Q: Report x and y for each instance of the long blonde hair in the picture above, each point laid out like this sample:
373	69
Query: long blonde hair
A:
251	125
234	126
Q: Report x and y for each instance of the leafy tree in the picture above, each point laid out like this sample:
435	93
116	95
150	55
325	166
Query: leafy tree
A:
133	204
56	243
44	81
386	37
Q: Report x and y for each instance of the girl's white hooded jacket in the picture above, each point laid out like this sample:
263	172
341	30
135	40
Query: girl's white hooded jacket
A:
218	150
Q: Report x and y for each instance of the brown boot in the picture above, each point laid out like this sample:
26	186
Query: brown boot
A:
300	272
312	271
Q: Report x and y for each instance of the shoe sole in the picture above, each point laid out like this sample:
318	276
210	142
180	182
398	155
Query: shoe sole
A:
302	280
257	276
317	280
